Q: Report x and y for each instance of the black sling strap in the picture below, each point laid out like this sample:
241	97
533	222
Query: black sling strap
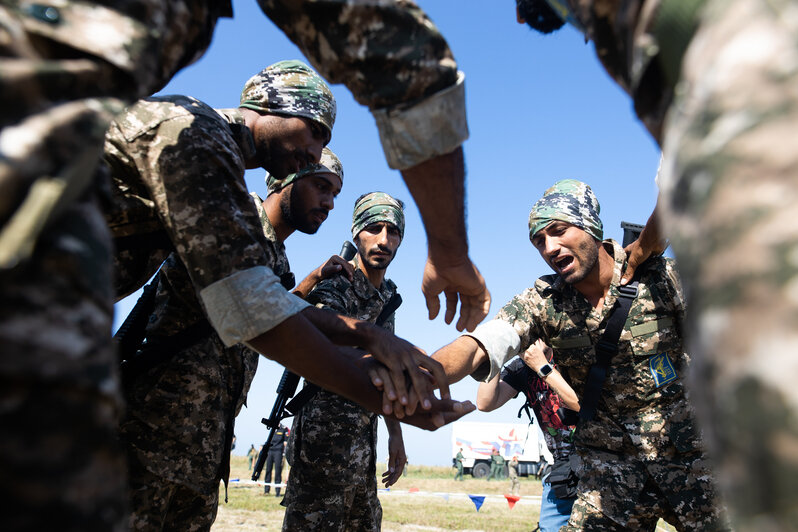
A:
606	348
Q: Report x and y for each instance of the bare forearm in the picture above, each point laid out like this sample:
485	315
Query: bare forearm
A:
298	346
394	428
306	285
340	329
488	395
560	386
441	177
460	358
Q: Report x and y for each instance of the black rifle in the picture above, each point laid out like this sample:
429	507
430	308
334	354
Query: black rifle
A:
285	391
631	232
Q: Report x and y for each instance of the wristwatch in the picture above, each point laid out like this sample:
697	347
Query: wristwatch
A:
545	370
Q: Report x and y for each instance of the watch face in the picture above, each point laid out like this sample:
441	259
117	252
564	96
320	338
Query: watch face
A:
545	370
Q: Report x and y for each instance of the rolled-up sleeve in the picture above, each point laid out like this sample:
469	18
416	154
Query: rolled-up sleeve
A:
500	341
395	62
434	126
248	303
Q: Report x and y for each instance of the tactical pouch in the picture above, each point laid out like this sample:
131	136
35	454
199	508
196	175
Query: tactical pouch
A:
563	479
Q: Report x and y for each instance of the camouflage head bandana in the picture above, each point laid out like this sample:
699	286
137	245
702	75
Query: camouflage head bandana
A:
569	201
290	88
328	164
378	207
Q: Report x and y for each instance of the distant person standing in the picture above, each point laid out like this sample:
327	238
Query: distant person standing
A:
274	459
512	469
251	456
496	463
458	463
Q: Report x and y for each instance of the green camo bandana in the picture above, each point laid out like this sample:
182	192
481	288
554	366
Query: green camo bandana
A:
290	88
569	201
328	164
378	207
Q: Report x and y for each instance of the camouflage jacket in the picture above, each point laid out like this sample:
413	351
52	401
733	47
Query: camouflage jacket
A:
643	408
333	440
167	197
180	413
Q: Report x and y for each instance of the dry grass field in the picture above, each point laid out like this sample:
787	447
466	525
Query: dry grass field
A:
426	499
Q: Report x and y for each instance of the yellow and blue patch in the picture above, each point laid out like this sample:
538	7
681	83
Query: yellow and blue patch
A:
662	369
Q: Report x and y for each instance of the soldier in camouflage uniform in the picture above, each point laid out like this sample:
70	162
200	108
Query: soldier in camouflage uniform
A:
182	406
725	119
333	443
641	456
65	69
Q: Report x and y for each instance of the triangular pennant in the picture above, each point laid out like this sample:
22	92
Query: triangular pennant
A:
412	490
511	500
477	500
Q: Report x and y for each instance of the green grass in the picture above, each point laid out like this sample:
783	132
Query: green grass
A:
249	510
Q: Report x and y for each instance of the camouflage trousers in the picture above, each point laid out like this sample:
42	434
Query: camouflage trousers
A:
312	506
157	504
730	185
332	484
622	492
60	461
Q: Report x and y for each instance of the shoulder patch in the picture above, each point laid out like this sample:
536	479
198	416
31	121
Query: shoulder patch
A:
661	369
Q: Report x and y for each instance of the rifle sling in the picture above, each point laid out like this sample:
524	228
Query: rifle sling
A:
157	352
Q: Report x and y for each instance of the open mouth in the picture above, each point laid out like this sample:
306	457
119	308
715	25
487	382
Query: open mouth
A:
564	263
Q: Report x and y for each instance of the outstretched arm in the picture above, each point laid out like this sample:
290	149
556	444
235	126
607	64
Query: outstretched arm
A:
449	268
460	358
300	347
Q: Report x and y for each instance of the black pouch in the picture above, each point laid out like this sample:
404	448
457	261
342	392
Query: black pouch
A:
563	480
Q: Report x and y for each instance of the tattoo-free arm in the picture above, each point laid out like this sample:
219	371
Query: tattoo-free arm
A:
449	268
460	358
494	394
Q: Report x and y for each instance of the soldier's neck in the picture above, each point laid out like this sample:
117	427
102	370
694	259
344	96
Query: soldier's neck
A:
374	276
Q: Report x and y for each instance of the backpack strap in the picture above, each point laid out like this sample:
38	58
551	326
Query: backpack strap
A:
606	348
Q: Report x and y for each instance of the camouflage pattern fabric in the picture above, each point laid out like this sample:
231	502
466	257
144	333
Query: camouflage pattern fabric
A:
181	413
290	88
731	201
328	164
644	423
332	447
157	152
61	81
64	99
569	201
378	207
169	506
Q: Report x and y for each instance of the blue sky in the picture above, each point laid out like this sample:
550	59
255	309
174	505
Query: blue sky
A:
540	109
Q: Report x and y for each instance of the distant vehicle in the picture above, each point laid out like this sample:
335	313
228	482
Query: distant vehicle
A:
478	440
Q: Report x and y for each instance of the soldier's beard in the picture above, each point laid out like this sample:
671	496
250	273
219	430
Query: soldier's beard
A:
295	213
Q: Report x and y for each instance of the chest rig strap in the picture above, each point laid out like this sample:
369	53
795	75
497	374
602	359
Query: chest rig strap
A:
606	348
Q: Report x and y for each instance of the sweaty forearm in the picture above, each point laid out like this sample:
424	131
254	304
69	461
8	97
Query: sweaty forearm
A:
444	221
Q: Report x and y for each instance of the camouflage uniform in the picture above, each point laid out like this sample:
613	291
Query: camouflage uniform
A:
61	81
332	484
730	197
642	440
181	412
